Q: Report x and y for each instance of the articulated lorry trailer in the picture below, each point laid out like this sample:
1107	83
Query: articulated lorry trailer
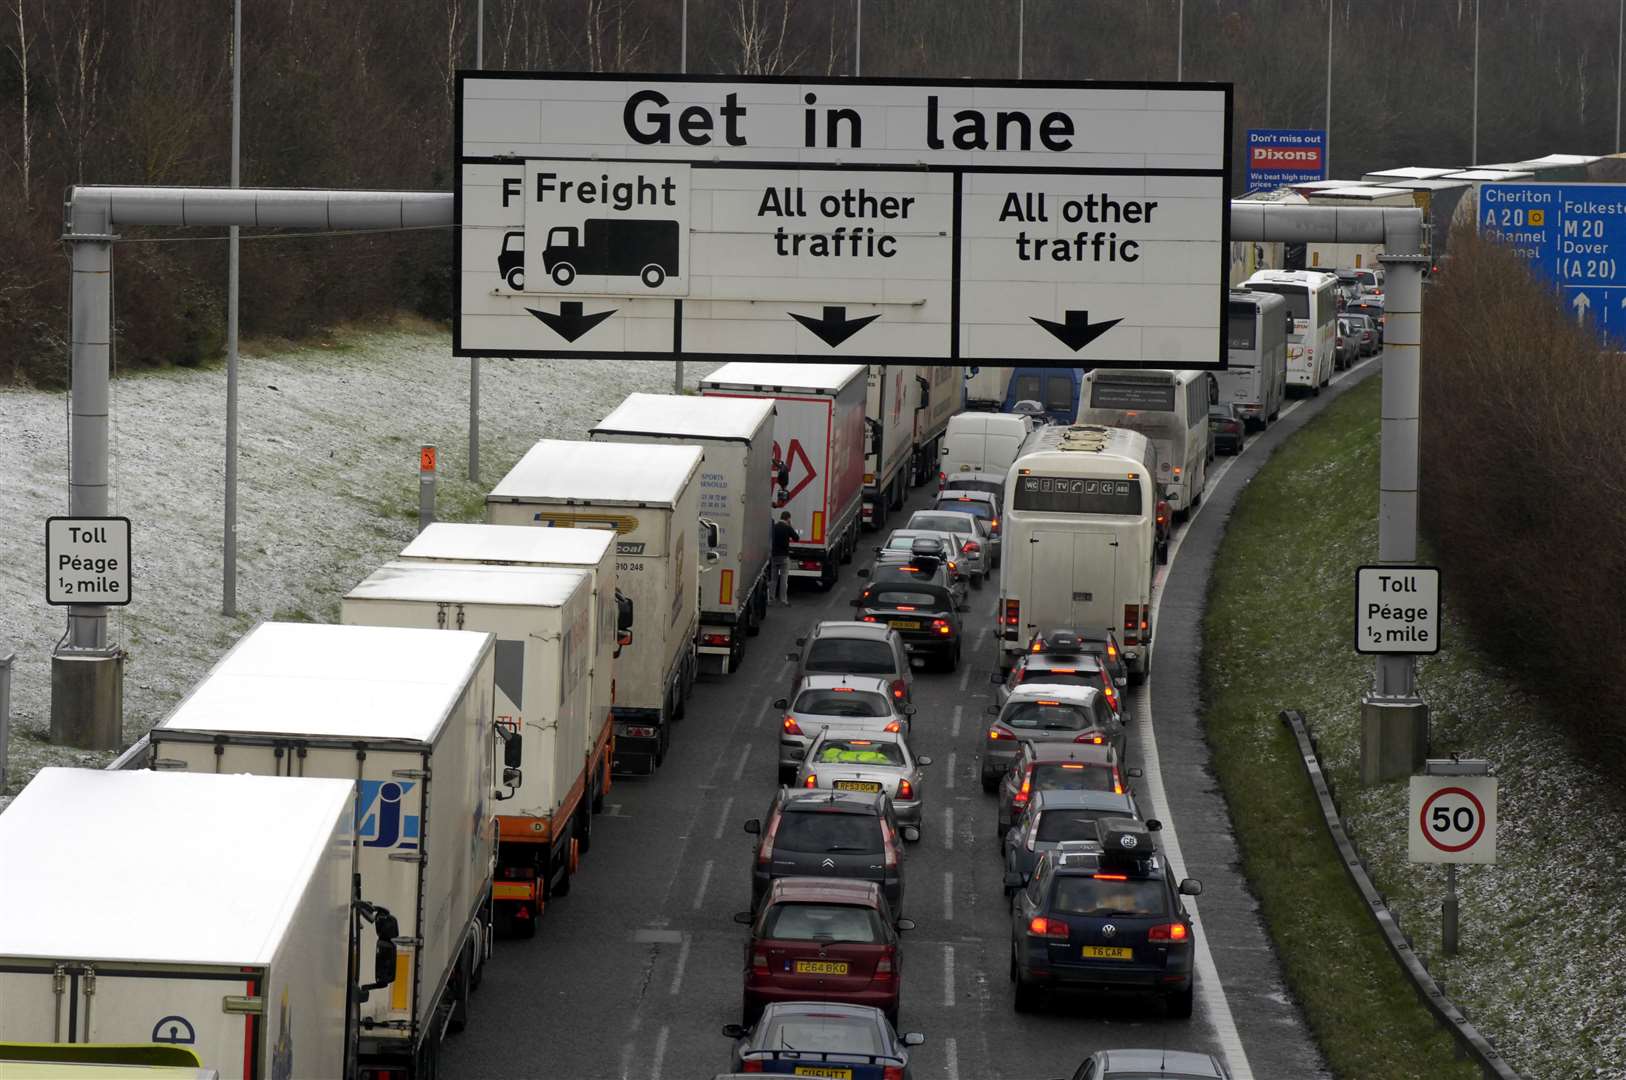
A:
940	393
183	926
543	620
649	497
736	495
891	398
589	550
819	443
407	716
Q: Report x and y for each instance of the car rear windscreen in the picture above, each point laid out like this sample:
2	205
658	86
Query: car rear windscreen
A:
1240	324
1071	776
825	833
1297	297
989	486
824	922
1105	897
851	656
975	507
833	702
1056	826
857	752
831	1032
895	598
941	523
1045	716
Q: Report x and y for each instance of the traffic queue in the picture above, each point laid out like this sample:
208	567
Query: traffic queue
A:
422	777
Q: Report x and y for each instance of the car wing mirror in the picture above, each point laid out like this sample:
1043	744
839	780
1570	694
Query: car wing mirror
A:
863	572
753	826
1133	772
801	641
1190	887
907	709
910	833
743	918
793	657
1014	880
923	761
991	710
1154	825
996	679
905	924
781	703
913	1038
734	1031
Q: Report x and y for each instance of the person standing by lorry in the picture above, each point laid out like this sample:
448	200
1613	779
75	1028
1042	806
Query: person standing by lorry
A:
784	535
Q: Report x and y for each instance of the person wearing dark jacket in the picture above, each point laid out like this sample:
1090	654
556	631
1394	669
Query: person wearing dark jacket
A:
784	534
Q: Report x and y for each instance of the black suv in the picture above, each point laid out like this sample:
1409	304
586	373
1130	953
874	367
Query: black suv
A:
921	610
1103	914
815	833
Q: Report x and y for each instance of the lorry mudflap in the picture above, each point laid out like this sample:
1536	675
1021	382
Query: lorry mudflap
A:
640	743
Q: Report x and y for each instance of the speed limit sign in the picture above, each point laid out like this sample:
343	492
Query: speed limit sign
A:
1453	819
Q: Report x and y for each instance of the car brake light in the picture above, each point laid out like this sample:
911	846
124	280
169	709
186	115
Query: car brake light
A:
792	727
993	523
942	626
899	687
892	1072
1177	470
883	968
906	607
842	689
1039	926
889	843
1110	877
1168	932
714	639
1013	612
1021	795
972	546
1117	782
1000	731
1087	737
906	790
1112	651
759	959
750	1066
812	780
870	618
1071	765
893	727
765	851
953	565
1043	701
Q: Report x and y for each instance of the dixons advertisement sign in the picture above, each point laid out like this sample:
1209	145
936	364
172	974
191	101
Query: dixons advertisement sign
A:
1278	157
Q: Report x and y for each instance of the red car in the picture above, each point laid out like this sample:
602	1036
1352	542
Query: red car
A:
822	939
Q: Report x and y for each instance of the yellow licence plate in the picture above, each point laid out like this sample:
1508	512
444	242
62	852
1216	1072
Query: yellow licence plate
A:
906	624
821	967
856	785
824	1070
1103	952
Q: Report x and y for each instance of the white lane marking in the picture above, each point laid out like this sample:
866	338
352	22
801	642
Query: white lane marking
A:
722	819
1215	1002
948	976
784	669
626	1060
954	731
682	962
982	636
767	710
965	678
705	879
953	766
739	770
660	1052
948	827
951	1059
948	897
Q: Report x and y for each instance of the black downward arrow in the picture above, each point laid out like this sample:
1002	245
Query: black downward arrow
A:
570	323
1078	331
835	327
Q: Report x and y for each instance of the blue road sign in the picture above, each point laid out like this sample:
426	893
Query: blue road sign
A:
1278	157
1574	235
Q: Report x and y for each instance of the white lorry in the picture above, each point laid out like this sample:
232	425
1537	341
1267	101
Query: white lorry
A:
406	715
1080	540
543	620
589	550
649	496
891	395
205	920
736	494
819	443
986	387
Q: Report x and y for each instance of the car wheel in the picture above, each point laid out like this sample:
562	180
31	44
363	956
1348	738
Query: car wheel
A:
786	776
1179	1005
990	784
1163	552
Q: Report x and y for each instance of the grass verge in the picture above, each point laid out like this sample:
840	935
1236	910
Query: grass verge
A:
1277	635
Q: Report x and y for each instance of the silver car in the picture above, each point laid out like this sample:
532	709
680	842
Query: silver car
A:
852	759
901	543
856	703
976	542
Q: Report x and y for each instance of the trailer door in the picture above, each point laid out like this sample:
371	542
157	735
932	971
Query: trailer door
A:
1073	580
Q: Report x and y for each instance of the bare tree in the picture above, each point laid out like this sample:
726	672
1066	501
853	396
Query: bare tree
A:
761	37
75	73
19	52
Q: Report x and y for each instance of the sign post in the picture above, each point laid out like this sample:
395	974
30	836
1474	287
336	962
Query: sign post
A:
876	221
426	487
1452	820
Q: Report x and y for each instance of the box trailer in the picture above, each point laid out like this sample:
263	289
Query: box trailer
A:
649	497
736	494
543	620
985	387
407	715
890	401
819	442
162	922
589	550
939	395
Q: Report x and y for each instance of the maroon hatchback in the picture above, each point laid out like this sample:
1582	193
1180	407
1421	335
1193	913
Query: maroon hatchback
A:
819	939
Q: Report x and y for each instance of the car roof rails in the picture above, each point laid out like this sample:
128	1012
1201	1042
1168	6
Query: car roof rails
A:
1078	853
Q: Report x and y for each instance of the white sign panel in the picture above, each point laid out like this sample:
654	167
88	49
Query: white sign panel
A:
761	219
87	560
1452	819
1397	609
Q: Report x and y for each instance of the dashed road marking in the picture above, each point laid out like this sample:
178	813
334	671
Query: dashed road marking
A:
739	769
660	1052
954	729
705	879
953	767
948	828
948	897
722	819
948	976
682	962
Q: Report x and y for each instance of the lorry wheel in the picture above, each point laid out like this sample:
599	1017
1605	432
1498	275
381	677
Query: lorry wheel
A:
563	274
753	619
458	991
516	279
427	1065
584	828
652	276
851	546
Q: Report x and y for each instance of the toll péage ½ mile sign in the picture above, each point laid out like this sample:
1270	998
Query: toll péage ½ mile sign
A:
725	218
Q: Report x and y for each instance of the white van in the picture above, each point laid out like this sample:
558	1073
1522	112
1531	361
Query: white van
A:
984	442
1080	540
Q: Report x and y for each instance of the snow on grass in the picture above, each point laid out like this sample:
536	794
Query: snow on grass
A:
327	490
1541	970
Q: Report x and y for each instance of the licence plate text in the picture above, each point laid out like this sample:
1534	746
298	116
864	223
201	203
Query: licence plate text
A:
821	967
905	624
856	785
1103	952
823	1070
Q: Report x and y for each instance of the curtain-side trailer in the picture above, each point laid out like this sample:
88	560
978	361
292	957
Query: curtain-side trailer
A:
543	622
736	492
146	919
940	393
407	715
891	396
819	440
649	496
